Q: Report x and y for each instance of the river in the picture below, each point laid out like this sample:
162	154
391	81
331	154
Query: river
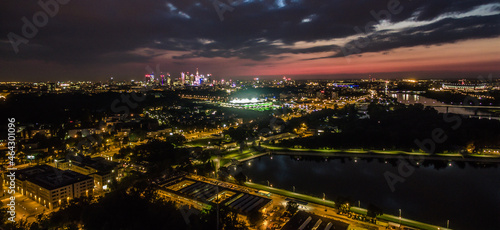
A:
406	98
466	195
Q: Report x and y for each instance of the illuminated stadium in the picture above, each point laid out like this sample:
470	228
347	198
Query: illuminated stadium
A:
253	103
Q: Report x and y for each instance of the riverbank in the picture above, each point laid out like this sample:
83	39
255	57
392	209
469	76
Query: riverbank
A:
331	204
380	154
235	155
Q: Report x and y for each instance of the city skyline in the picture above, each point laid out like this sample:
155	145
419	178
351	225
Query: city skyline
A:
250	114
246	39
280	154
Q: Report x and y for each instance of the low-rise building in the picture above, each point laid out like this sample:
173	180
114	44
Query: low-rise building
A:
102	170
159	133
52	187
44	132
83	132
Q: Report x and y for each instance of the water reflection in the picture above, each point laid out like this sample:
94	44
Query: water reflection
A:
437	190
411	99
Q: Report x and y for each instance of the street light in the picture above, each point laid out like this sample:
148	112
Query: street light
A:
293	188
447	223
267	182
324	201
399	216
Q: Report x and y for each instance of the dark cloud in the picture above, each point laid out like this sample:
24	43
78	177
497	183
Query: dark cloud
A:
448	30
93	32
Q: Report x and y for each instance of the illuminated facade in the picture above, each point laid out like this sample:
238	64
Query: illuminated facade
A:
463	87
52	187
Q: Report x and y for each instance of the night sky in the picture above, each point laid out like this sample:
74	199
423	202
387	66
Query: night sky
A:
96	40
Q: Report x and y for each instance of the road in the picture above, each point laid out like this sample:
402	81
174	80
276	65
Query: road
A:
319	208
280	201
111	152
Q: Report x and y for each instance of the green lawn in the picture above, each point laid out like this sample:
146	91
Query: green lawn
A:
342	151
235	154
200	142
361	151
404	221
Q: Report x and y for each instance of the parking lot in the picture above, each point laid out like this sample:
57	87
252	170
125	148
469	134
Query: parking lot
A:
25	208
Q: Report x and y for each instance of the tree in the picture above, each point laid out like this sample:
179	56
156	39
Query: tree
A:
227	220
239	134
39	137
176	139
125	141
292	207
255	217
137	135
3	214
205	156
373	211
342	204
240	178
470	147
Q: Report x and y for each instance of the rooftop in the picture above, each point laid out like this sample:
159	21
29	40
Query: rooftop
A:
49	177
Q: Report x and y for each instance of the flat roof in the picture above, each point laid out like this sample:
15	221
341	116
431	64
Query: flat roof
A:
300	219
241	202
49	177
98	163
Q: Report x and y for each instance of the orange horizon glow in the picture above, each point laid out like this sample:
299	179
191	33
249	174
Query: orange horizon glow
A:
470	56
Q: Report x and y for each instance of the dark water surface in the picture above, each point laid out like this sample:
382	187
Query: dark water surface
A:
467	194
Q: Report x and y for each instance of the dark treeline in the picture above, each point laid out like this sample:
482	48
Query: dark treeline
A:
204	92
397	128
264	92
57	108
457	98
